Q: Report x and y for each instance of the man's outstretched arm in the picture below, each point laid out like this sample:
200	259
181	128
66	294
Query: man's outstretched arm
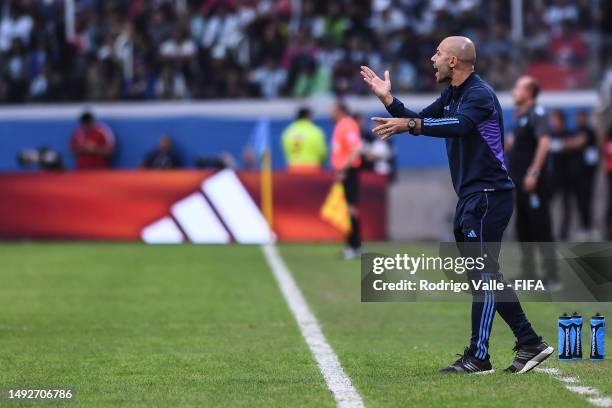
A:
476	107
436	127
382	89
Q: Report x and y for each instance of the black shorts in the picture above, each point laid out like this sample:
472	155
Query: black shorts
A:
351	185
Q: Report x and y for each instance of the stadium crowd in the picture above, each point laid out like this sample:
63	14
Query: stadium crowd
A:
194	49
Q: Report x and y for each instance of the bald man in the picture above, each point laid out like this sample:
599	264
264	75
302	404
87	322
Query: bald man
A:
468	115
528	151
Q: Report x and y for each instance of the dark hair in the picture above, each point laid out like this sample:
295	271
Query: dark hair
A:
559	113
304	113
342	106
534	87
86	118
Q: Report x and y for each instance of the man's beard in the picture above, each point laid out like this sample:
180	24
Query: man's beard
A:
442	79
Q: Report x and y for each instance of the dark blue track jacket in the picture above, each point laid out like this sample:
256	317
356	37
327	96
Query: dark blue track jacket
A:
469	117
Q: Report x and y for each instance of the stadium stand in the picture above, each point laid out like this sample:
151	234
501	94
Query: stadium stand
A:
198	49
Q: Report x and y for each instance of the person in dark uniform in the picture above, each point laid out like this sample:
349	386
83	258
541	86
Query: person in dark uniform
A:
607	152
528	151
586	143
163	157
566	167
469	117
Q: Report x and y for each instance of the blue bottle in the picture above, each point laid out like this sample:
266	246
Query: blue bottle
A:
598	325
577	336
564	348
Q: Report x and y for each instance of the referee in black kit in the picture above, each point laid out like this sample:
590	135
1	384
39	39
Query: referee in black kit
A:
528	151
469	118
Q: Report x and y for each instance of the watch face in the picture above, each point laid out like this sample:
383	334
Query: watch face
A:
411	123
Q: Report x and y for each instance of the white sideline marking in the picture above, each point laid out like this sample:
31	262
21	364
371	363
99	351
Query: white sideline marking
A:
601	401
338	382
551	371
596	399
582	390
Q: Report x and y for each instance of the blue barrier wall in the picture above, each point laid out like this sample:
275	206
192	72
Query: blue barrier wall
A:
193	136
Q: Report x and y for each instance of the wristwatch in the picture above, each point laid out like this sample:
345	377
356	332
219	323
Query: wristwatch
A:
534	173
411	126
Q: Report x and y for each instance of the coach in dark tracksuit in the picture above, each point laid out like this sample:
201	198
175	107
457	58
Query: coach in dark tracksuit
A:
468	115
528	151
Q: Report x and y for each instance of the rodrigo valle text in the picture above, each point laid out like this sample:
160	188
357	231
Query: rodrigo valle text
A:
452	286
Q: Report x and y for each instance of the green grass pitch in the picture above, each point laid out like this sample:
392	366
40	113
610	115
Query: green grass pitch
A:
136	325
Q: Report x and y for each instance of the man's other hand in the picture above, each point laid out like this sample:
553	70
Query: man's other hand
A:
388	127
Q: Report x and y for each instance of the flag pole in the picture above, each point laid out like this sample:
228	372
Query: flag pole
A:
266	186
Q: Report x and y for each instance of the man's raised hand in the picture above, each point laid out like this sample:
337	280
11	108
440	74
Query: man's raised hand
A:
380	87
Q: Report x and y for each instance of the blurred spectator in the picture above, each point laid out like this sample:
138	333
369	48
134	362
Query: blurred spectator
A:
221	161
575	159
92	144
304	144
17	25
269	79
607	148
136	49
141	85
171	84
559	12
163	157
574	171
16	74
568	47
586	144
564	168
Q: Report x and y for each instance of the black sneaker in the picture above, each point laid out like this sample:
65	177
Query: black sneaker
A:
469	364
529	356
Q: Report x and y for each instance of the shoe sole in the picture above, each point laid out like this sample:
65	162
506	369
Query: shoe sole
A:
486	372
534	362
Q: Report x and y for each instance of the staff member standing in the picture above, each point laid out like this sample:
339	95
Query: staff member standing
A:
92	143
607	150
304	144
586	144
345	160
566	167
528	167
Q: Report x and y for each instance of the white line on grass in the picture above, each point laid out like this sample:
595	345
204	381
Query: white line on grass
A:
338	382
596	397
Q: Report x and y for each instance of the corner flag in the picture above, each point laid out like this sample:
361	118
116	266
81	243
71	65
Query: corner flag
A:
335	209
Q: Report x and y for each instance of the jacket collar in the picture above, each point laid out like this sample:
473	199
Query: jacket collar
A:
458	90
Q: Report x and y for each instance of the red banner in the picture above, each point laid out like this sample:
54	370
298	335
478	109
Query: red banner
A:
118	205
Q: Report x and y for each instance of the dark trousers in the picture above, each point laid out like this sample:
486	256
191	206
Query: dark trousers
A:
351	191
480	221
584	196
533	225
568	172
609	209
